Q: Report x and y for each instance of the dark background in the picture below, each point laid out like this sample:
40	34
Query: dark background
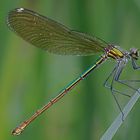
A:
29	77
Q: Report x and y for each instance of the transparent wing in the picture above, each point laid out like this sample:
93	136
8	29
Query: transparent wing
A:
52	36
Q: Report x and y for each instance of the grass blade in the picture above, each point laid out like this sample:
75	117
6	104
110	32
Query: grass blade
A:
111	131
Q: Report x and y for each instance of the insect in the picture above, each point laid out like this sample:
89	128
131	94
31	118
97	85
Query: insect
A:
54	37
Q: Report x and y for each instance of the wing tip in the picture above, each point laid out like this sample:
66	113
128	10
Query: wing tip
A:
18	10
12	14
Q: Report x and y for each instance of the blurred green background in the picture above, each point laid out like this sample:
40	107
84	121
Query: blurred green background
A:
30	77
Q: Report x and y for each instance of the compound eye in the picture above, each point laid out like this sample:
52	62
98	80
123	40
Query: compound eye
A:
134	53
137	53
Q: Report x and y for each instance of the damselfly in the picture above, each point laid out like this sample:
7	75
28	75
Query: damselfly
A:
54	37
